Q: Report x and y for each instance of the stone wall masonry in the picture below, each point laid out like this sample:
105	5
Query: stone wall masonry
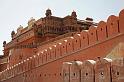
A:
105	31
121	21
88	71
66	71
102	31
112	25
117	71
75	71
101	70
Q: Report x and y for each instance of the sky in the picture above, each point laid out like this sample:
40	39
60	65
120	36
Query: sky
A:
17	12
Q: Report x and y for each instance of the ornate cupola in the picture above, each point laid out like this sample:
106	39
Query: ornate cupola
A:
12	34
48	13
31	22
73	14
4	43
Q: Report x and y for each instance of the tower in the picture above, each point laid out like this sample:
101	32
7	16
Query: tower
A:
73	14
48	13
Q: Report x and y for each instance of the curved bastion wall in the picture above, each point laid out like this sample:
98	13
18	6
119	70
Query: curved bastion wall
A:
46	64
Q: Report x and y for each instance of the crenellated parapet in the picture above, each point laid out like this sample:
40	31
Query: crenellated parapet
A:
102	69
88	38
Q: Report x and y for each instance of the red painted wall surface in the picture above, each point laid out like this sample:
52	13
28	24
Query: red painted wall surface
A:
90	45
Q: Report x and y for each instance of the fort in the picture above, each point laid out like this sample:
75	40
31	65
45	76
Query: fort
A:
65	50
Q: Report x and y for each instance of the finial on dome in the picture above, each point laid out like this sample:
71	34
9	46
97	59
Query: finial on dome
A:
12	33
48	13
73	14
4	43
20	26
31	18
73	10
19	29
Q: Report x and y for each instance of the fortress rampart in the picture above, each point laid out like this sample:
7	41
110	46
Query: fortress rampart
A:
45	64
102	70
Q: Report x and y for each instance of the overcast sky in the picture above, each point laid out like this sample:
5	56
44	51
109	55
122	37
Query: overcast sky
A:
17	12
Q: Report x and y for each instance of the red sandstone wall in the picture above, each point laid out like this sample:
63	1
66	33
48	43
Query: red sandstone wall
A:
18	54
103	70
47	66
